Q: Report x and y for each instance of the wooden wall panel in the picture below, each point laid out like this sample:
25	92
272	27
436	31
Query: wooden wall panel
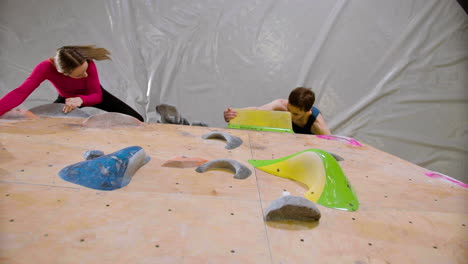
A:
172	215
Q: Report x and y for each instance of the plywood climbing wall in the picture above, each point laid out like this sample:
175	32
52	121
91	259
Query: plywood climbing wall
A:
173	215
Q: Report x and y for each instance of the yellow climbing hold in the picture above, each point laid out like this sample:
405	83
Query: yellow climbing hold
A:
250	119
306	168
321	173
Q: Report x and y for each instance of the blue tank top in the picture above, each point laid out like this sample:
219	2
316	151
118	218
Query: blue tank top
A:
306	129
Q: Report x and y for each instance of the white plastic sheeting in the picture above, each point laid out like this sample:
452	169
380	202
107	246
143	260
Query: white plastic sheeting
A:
392	74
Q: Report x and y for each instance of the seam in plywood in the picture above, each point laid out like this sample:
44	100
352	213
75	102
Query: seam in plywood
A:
38	184
261	203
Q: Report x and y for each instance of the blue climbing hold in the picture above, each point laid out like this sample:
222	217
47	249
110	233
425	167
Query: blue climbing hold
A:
92	154
108	172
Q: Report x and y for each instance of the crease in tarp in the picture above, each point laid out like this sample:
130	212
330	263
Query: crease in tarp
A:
313	52
406	60
420	140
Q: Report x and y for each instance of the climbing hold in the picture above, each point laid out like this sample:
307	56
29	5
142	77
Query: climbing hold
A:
232	141
292	208
199	123
261	120
321	173
18	113
108	172
240	170
92	154
434	174
184	162
111	119
170	115
56	110
336	156
349	140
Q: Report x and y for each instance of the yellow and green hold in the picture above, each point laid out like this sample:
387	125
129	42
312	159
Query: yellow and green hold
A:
318	169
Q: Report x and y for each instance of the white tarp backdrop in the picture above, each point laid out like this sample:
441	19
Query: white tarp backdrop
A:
393	74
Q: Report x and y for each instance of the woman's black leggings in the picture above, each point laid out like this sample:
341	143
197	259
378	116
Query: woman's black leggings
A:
110	103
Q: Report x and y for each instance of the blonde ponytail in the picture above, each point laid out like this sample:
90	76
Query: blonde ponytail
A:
68	58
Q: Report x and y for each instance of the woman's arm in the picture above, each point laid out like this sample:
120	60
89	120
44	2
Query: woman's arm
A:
93	95
18	95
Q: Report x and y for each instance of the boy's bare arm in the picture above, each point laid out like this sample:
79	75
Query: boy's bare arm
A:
276	105
320	126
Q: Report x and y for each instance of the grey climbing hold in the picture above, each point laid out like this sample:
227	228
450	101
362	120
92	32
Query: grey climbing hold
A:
292	208
170	115
56	110
337	157
232	141
240	170
18	114
199	123
92	154
111	119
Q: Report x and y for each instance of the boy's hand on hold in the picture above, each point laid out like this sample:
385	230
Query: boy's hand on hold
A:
229	114
71	104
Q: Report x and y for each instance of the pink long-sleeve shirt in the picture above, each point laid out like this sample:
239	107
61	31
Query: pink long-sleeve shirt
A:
88	89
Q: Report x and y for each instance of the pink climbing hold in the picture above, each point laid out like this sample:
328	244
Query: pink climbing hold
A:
434	174
184	162
348	140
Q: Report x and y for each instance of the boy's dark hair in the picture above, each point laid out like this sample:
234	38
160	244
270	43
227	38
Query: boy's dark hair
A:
302	98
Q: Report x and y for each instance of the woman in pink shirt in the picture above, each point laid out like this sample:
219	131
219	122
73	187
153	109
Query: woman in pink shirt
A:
73	73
